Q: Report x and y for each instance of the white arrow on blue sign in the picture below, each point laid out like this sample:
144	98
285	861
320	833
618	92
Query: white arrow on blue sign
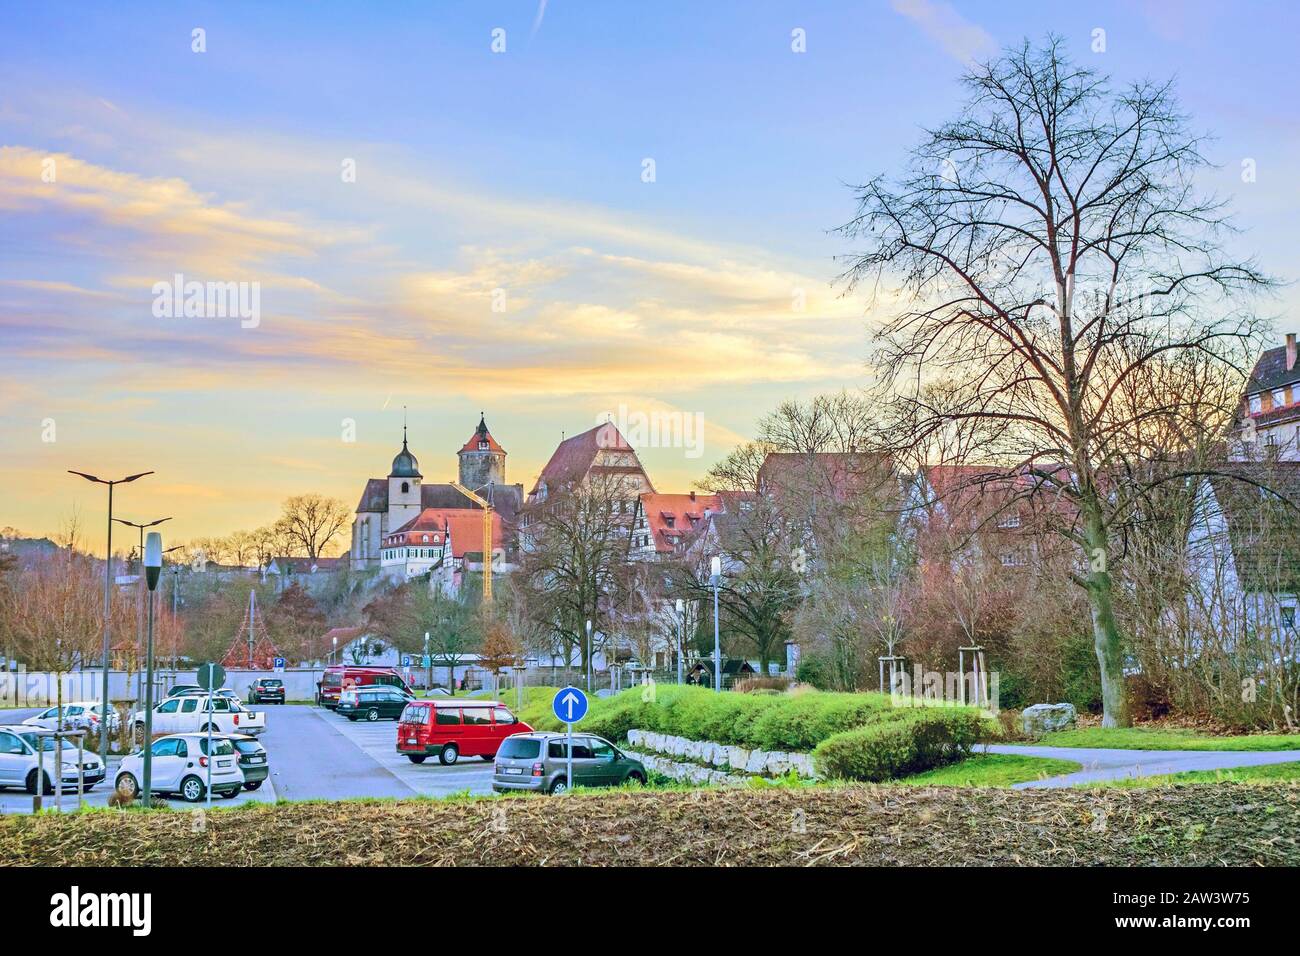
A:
569	705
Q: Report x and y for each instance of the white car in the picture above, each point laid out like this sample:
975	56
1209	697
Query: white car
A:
191	713
19	761
181	765
79	714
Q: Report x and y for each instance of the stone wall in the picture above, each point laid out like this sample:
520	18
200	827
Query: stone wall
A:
754	763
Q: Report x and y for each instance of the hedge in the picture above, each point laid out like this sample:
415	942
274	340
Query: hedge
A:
797	722
923	739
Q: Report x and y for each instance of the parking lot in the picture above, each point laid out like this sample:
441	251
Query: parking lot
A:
313	754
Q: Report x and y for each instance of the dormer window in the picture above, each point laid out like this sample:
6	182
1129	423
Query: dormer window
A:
482	446
425	539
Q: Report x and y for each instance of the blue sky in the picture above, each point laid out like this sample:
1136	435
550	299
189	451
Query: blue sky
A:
477	171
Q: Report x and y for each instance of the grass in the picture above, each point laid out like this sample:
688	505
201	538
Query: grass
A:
1269	773
990	770
1150	738
763	826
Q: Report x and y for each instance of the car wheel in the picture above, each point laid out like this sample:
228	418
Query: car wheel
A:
352	717
416	758
252	784
560	786
192	789
489	757
372	714
636	778
139	735
206	727
128	786
229	794
449	754
31	783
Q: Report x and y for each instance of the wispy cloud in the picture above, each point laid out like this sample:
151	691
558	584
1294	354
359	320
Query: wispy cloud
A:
964	41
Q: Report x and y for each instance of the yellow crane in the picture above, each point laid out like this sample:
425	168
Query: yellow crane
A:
487	538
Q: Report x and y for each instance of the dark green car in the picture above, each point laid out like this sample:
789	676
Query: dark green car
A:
373	702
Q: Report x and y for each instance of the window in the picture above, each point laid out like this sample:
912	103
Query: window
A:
1279	397
447	716
10	744
504	716
555	750
477	715
189	705
415	714
181	749
220	748
601	750
582	748
169	706
405	487
1011	520
1288	617
517	748
165	748
1256	405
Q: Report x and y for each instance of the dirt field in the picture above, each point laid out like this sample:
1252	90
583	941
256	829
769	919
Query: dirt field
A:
1223	824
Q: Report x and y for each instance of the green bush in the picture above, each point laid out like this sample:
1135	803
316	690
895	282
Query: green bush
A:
919	741
802	721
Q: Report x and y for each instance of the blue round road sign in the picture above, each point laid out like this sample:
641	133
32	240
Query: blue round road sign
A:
569	705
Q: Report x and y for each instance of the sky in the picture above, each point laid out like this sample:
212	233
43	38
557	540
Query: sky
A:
622	209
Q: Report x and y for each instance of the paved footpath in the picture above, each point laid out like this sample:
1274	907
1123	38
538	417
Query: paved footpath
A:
1110	764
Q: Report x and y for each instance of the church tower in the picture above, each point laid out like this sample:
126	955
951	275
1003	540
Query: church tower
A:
403	488
482	460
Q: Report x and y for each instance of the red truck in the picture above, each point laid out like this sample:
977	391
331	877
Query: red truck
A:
341	676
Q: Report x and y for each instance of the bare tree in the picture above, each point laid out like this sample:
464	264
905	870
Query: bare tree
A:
1053	251
313	521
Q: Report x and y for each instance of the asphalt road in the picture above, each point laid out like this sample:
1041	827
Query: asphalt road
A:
1107	764
314	755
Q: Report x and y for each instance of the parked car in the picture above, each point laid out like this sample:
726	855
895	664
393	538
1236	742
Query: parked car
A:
191	713
373	702
252	759
77	715
179	689
451	727
181	765
225	692
20	760
266	690
339	677
539	761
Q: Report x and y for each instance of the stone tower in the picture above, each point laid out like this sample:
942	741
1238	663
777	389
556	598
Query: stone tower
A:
482	460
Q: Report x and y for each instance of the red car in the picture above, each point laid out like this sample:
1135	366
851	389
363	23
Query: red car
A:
451	727
340	676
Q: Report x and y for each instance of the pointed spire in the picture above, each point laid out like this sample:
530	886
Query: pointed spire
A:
403	426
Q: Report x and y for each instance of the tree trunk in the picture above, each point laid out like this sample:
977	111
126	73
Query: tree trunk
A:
1105	630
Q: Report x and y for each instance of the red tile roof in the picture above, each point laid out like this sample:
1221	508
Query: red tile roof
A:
574	457
466	528
660	508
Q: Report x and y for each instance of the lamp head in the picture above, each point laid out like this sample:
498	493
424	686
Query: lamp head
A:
716	566
681	605
153	552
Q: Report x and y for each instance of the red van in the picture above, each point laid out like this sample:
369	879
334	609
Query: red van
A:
451	728
340	676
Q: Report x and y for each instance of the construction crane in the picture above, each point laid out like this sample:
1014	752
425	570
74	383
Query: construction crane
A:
487	538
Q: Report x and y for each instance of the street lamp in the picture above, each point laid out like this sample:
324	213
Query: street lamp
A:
334	653
108	591
681	636
715	579
139	622
153	553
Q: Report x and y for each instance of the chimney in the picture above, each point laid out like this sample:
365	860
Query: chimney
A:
1292	356
1290	351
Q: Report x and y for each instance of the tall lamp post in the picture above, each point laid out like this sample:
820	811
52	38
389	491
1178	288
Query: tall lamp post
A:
152	569
681	636
108	596
715	579
139	620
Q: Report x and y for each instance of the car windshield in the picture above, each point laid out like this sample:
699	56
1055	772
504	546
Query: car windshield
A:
38	742
265	683
248	746
520	748
220	748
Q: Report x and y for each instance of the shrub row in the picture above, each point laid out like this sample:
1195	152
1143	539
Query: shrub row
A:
791	722
919	741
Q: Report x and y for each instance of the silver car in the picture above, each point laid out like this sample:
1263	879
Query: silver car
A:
539	762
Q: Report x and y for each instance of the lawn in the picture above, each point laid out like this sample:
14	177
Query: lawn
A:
1270	773
990	770
1149	738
